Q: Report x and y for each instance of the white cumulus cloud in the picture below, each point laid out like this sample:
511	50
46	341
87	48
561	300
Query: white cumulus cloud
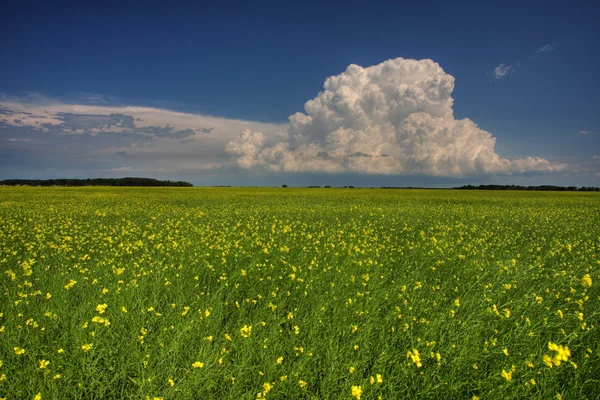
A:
393	118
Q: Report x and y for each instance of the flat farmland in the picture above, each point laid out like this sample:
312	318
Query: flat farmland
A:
246	293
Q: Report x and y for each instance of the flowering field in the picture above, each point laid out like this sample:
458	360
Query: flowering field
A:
222	293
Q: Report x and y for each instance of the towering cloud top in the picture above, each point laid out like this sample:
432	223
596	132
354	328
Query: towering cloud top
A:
392	118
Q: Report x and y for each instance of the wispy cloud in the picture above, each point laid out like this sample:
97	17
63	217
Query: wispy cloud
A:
505	69
502	70
122	169
584	133
544	49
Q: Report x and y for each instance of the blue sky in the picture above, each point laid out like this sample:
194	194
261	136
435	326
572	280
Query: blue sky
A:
526	74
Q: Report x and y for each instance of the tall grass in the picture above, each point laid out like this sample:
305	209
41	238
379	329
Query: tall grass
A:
298	293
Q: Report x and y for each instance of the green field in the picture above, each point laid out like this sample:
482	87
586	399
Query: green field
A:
223	293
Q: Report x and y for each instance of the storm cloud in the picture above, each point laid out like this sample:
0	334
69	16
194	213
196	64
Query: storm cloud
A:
394	118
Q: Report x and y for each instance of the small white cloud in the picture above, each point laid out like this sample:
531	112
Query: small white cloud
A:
583	133
502	70
545	48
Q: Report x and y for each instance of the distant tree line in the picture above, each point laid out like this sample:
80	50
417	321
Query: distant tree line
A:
93	182
537	188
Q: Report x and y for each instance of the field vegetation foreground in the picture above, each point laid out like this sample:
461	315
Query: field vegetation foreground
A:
225	293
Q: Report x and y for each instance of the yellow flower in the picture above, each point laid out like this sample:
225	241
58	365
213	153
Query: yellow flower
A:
70	284
198	364
171	382
371	380
586	281
101	308
44	363
507	375
351	370
87	347
280	360
302	383
100	320
38	397
266	387
379	378
357	392
123	309
57	376
246	331
19	351
415	357
562	354
505	351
